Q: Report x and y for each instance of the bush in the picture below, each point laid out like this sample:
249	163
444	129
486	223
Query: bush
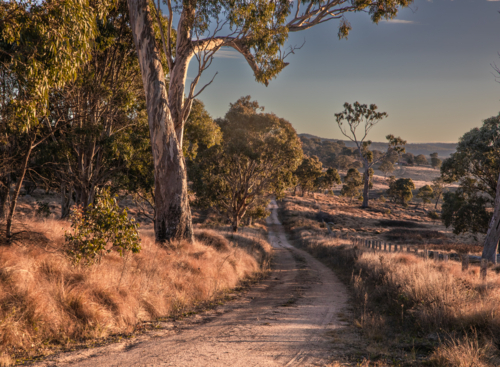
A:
433	215
100	229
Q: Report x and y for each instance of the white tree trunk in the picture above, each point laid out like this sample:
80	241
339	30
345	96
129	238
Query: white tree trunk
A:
493	234
173	215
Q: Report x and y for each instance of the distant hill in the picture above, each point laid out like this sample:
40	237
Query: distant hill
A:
443	149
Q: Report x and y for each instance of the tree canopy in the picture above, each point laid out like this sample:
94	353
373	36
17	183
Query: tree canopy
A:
256	158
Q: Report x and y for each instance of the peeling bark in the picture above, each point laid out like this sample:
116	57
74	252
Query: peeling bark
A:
173	214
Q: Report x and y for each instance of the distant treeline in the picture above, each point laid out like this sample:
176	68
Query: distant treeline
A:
444	150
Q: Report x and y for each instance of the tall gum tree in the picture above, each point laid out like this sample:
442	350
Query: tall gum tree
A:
258	29
360	115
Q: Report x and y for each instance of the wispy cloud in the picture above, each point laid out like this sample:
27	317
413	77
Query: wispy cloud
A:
401	21
227	54
492	0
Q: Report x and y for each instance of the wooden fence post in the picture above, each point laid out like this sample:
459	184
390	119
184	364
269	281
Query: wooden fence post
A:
465	262
446	257
484	269
426	254
385	246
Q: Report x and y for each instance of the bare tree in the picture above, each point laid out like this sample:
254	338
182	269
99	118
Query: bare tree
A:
367	117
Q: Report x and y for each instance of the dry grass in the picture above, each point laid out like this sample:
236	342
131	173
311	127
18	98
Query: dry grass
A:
419	297
464	352
44	299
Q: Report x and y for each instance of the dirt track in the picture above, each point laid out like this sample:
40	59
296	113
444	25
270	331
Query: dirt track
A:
291	319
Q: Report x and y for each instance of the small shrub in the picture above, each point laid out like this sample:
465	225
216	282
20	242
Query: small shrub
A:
387	211
433	215
42	209
100	229
330	193
382	199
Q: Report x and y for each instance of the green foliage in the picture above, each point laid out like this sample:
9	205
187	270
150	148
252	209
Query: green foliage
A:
309	173
352	183
201	132
426	194
257	157
476	167
101	228
328	179
42	45
401	190
465	212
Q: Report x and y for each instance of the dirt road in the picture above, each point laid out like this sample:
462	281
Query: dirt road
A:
291	319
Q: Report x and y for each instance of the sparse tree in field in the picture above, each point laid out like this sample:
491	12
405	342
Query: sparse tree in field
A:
401	190
42	45
435	161
426	194
330	178
386	167
465	212
367	117
256	29
256	158
438	186
409	158
420	160
308	174
352	183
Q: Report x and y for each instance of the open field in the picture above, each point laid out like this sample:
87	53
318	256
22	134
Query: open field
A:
414	311
47	304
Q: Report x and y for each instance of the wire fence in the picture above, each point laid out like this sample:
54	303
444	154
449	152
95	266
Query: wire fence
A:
382	246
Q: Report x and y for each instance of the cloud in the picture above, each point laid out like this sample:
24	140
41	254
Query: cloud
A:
227	54
492	0
401	21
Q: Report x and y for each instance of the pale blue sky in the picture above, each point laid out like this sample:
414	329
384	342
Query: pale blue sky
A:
430	70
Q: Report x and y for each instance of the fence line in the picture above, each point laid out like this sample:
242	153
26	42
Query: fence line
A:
376	245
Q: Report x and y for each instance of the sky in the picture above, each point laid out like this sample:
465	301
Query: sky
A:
430	69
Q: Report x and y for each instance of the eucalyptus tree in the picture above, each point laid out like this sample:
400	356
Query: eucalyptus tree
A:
256	29
476	167
98	110
352	183
366	117
42	44
308	174
256	158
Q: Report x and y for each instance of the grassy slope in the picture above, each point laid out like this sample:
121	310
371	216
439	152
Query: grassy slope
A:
414	312
45	301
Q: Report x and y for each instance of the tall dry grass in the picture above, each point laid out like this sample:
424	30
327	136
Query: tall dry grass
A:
44	299
420	296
